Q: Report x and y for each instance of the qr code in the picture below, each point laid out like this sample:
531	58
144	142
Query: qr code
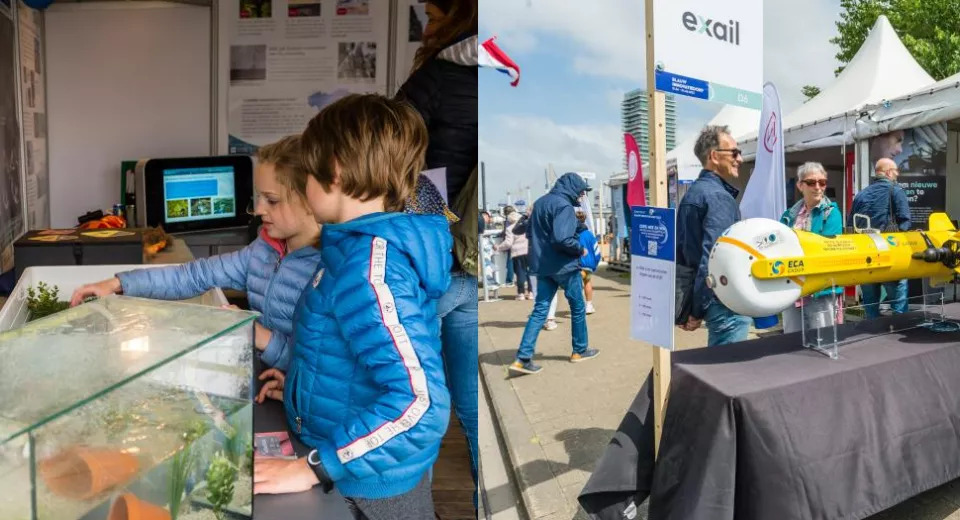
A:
652	247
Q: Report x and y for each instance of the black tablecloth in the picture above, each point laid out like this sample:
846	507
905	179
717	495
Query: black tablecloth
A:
766	429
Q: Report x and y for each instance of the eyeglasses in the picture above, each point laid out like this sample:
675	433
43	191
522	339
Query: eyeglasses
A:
736	152
815	182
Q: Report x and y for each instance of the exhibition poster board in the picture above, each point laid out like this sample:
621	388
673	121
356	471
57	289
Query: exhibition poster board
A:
290	58
12	224
34	105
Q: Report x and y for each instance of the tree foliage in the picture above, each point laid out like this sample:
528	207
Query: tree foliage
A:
930	30
810	91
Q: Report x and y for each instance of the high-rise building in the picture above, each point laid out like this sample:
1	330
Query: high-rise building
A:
634	118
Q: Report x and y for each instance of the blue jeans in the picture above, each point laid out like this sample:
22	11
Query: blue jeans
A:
547	287
896	295
509	268
457	310
724	326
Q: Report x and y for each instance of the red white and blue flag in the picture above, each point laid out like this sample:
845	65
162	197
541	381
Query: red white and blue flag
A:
491	56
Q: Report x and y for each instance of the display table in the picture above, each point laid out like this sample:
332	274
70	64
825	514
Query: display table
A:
309	505
765	429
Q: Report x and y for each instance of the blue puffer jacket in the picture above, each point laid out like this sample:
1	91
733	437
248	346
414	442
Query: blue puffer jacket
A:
552	231
273	283
874	202
588	241
366	386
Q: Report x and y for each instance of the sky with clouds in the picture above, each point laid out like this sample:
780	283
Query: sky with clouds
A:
577	59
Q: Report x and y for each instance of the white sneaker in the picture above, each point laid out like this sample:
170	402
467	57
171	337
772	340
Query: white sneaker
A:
550	325
590	309
521	297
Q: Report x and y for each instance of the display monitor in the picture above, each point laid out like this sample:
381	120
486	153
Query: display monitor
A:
194	194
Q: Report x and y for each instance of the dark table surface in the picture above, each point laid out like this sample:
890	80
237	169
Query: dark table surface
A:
766	429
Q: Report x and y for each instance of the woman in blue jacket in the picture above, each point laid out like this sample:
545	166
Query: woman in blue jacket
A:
273	270
817	214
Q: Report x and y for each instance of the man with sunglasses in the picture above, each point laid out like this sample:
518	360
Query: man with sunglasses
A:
885	202
706	211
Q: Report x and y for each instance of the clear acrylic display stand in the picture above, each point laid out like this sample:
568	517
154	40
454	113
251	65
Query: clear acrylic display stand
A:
822	333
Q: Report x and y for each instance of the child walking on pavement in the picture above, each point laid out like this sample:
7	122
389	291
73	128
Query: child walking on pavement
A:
366	387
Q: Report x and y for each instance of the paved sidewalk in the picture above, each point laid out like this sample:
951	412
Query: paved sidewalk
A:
557	423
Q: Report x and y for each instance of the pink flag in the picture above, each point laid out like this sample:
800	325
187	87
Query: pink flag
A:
635	193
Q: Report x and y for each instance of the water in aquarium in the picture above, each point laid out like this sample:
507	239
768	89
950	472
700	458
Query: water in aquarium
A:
145	412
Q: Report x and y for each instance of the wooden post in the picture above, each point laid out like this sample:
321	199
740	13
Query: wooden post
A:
656	116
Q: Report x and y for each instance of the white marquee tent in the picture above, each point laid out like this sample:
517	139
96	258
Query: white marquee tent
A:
882	69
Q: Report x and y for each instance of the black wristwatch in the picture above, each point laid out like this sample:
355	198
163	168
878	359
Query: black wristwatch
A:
313	460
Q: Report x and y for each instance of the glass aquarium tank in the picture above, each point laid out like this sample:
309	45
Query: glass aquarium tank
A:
126	408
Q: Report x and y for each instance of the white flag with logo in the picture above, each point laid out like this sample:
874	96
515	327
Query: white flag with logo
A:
766	192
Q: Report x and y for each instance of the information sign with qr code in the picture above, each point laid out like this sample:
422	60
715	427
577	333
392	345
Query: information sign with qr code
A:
653	275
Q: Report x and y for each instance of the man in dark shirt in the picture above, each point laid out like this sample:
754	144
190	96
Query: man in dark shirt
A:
882	201
706	211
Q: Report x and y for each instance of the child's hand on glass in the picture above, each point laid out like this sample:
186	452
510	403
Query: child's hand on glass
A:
272	388
99	289
261	334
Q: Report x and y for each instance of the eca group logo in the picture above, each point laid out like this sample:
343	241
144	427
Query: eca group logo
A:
778	267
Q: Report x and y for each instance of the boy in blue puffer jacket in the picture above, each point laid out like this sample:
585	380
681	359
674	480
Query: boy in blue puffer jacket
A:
273	270
366	387
589	258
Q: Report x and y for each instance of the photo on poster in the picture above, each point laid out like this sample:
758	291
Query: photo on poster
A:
320	99
39	125
248	62
917	151
255	9
349	7
357	60
37	61
29	149
301	8
31	95
418	20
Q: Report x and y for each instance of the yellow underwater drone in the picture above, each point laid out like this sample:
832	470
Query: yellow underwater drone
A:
759	267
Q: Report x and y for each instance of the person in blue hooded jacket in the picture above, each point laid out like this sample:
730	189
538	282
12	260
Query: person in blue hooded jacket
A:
366	388
817	214
554	257
273	269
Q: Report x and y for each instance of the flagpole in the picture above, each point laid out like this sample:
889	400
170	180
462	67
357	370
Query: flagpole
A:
658	197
